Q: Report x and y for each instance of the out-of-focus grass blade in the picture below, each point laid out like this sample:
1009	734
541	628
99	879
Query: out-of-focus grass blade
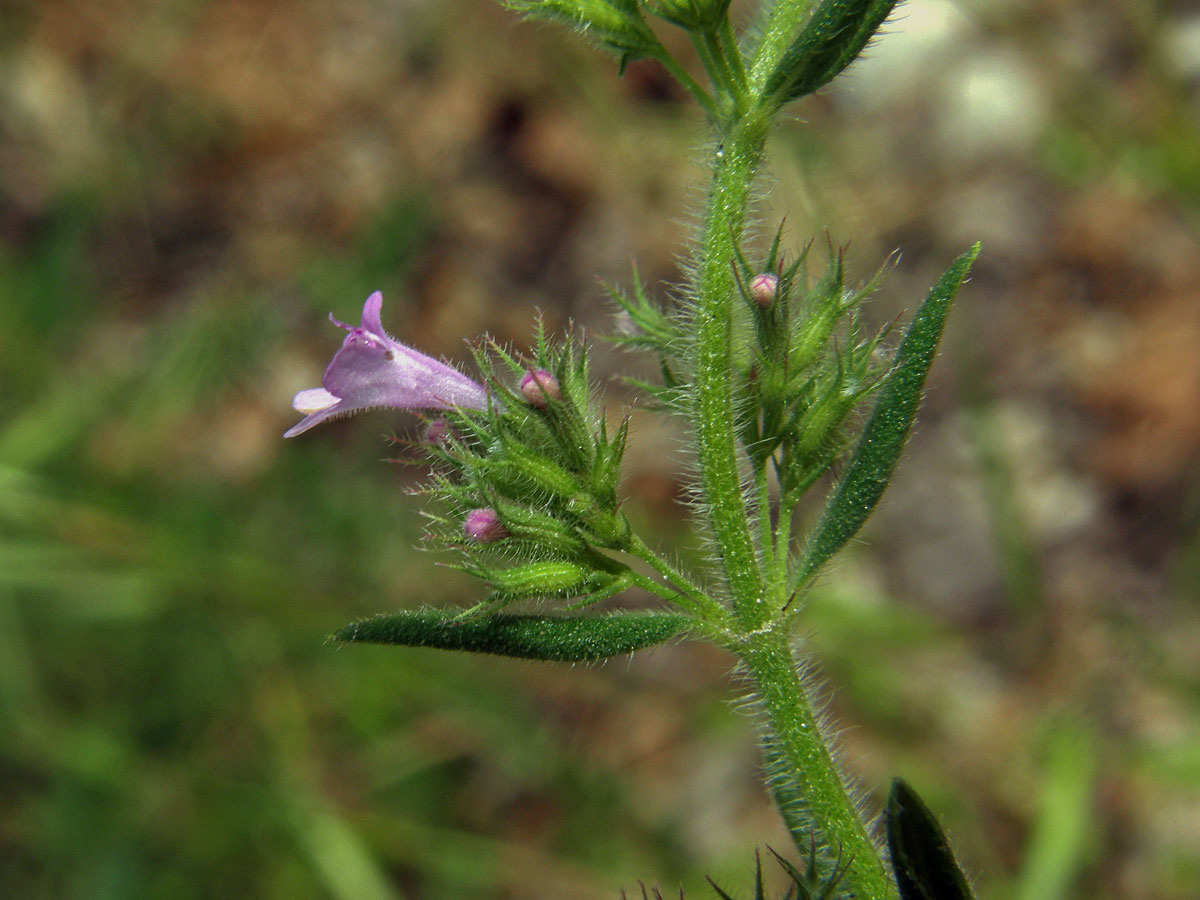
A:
348	868
1060	837
560	638
882	440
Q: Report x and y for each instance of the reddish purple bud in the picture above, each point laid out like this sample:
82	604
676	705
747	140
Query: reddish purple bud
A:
483	526
763	289
539	387
438	432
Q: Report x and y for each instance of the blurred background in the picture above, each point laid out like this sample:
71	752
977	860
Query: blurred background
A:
188	187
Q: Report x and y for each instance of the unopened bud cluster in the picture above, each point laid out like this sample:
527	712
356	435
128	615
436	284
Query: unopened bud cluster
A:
811	365
534	481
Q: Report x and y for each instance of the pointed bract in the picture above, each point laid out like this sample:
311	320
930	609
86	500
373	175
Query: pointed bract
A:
373	369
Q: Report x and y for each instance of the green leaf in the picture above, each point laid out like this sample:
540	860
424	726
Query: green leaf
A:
833	37
882	440
924	864
562	638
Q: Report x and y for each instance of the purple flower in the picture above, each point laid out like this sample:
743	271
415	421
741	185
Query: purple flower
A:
373	369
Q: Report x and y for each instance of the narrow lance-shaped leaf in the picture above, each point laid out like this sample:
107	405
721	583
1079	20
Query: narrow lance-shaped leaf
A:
560	638
833	37
882	440
924	864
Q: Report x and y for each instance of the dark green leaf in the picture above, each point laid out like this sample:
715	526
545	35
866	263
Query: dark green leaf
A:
833	37
882	440
924	864
562	638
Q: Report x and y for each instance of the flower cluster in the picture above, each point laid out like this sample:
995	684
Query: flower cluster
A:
528	473
532	480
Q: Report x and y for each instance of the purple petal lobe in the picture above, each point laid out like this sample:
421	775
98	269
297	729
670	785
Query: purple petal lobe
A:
371	320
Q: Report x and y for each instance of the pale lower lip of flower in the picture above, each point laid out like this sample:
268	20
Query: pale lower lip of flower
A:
312	401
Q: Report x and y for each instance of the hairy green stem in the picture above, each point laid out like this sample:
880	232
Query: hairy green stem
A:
814	779
734	171
763	638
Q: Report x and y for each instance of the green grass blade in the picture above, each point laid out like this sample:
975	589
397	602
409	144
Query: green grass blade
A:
560	638
1064	830
882	440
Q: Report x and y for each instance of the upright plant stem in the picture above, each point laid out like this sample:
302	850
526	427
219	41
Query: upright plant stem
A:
734	170
810	777
813	776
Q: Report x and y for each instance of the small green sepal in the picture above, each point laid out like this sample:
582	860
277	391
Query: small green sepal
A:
922	860
547	578
558	638
694	15
803	884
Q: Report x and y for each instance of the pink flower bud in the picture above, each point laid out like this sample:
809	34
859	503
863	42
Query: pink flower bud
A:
763	289
438	432
539	387
483	526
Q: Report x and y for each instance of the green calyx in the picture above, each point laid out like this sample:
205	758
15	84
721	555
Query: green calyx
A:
809	366
615	24
699	15
584	580
546	465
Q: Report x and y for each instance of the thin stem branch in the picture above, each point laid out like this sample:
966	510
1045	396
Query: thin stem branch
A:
699	94
687	593
733	51
762	500
718	74
778	573
709	44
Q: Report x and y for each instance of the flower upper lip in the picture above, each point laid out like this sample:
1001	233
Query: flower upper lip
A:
373	369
